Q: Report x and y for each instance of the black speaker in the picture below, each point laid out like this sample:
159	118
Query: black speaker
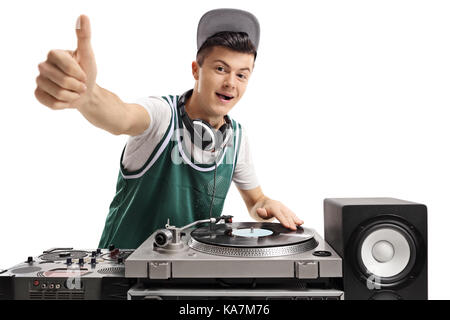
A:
383	245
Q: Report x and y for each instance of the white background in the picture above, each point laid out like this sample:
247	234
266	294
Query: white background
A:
348	99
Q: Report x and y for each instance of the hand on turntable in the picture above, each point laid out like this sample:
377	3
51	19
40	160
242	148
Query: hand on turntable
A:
269	208
261	207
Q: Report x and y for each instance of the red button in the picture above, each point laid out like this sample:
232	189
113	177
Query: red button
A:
36	283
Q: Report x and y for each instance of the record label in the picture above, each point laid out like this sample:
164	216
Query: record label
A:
251	232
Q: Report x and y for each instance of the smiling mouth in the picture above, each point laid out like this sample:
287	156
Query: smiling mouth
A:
224	97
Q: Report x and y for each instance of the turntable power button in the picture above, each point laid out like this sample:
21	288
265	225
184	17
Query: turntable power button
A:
36	283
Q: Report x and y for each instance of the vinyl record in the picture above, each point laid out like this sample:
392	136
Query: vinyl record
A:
251	235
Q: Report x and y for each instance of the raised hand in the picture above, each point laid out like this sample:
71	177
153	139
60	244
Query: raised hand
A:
67	78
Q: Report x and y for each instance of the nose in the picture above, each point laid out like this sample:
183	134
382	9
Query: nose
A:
230	81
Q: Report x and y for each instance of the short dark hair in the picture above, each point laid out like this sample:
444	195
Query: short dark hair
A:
237	41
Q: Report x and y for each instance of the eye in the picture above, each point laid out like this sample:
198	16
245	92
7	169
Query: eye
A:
220	69
242	76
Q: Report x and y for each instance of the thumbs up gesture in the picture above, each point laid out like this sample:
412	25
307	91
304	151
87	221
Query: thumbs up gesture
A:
67	78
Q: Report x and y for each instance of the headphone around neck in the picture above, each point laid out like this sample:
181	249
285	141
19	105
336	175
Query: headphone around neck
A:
202	134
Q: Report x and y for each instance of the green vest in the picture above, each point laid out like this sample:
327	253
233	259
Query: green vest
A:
170	185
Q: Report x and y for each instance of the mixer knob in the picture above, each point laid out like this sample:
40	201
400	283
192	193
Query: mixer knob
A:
30	260
93	261
93	253
69	261
81	261
111	247
99	251
120	260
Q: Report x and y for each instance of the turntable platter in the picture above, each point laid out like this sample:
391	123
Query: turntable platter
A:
252	239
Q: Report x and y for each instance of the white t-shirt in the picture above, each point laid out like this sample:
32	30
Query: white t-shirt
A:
139	148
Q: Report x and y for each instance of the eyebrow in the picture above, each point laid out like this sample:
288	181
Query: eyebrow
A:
227	65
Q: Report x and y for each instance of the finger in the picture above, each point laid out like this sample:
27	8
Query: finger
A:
56	91
63	60
49	101
262	212
54	74
280	217
292	224
289	217
83	31
297	220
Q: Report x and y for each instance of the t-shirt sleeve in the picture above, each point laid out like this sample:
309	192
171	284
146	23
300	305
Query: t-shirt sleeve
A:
139	148
244	173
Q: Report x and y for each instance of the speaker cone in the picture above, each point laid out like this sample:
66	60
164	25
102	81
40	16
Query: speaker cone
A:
386	252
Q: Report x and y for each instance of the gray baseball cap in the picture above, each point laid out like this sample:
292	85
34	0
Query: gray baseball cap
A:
234	20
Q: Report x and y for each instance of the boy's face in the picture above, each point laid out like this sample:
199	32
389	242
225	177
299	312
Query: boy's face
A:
222	80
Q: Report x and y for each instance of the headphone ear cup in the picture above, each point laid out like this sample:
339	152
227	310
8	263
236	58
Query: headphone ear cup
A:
223	136
204	135
224	133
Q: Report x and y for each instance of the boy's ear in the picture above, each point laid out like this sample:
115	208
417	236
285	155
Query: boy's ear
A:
195	70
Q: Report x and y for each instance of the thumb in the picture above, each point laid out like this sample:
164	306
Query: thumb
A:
262	212
84	52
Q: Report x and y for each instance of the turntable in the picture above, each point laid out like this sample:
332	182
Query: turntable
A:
252	259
